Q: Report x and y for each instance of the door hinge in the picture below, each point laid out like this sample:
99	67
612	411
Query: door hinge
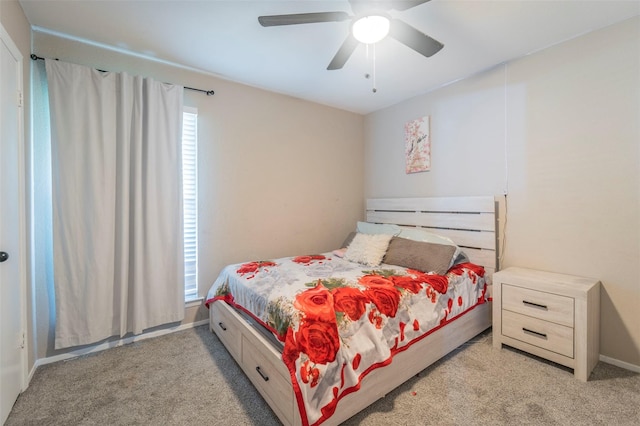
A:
22	341
20	99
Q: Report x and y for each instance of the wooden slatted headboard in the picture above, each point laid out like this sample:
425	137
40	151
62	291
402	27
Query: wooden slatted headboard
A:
474	223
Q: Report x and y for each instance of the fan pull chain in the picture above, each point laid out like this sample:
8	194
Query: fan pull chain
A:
373	67
374	89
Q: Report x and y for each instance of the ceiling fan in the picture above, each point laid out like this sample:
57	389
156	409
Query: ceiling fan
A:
372	13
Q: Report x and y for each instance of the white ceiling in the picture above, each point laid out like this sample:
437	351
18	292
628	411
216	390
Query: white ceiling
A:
224	38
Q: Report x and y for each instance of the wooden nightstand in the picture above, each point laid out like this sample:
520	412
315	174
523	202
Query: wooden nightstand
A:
553	316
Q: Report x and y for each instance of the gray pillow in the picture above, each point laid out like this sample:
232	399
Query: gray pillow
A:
419	255
348	240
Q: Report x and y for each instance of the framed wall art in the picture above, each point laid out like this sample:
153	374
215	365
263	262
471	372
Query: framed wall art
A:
417	139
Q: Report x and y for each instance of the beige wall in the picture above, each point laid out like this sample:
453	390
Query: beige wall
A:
16	24
560	130
277	176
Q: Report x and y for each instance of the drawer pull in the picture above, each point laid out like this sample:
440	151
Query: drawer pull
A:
264	377
535	333
534	305
221	325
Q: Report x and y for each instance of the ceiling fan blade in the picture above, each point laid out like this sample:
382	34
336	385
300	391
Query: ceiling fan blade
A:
302	18
406	4
344	53
413	38
362	6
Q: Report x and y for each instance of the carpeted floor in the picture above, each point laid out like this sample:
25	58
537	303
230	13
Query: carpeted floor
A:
188	378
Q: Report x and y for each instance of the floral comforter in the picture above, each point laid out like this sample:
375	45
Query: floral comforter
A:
340	320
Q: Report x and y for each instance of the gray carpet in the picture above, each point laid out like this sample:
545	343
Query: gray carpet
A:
188	378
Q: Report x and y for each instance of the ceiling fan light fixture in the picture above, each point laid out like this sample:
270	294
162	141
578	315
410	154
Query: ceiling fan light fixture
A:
371	28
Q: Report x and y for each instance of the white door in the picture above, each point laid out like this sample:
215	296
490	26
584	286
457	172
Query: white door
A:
12	249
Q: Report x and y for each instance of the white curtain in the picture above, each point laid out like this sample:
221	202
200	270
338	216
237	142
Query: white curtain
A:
117	203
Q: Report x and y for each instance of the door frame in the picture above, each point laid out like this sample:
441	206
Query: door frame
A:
22	205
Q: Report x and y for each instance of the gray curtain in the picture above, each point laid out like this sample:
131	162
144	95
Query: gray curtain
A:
117	203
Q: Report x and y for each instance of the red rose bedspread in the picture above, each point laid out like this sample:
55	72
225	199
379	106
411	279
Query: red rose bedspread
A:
340	320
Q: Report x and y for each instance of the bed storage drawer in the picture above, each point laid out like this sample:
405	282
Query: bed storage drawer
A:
258	358
271	379
545	306
227	327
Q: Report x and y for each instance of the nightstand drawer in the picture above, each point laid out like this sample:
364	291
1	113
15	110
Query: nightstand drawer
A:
538	304
546	335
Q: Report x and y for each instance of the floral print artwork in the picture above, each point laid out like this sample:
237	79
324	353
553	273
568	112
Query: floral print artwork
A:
417	139
340	320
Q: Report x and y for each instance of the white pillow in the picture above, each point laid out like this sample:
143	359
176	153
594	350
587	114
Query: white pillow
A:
368	249
419	234
377	228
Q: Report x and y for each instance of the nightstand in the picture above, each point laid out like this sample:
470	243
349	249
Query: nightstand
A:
553	316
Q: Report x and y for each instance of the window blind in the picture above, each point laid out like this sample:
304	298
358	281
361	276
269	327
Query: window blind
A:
190	201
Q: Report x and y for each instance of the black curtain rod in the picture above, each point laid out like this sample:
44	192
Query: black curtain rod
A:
208	92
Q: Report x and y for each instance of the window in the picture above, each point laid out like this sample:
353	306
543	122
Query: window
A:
190	201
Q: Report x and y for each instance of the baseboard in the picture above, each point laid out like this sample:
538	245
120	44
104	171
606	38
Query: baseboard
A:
621	364
113	344
30	376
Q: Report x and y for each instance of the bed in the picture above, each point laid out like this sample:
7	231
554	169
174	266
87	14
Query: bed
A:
323	336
